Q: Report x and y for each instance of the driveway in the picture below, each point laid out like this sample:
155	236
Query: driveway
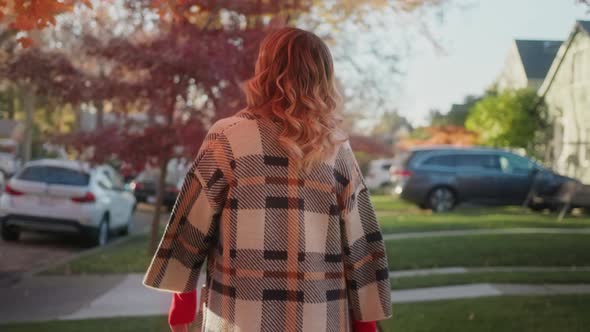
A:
34	251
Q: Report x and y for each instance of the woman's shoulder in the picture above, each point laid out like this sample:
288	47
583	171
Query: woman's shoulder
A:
224	124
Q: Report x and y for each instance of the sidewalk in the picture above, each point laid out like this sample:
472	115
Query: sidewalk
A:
461	270
71	297
524	230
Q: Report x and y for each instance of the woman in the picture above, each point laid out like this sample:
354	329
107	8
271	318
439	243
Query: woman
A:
276	205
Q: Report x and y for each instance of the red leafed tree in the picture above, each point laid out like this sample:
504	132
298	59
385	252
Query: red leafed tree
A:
184	77
370	145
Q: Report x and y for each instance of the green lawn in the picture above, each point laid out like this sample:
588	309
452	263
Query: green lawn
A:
490	250
522	314
562	277
389	203
396	216
483	250
127	257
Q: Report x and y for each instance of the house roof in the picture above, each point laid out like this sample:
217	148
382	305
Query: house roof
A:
585	25
554	68
537	56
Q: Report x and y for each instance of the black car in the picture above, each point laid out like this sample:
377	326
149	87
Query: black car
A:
440	178
144	188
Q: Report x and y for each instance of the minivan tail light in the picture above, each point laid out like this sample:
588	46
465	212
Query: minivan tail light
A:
12	192
87	198
402	173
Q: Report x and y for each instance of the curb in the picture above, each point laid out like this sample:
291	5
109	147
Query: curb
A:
86	252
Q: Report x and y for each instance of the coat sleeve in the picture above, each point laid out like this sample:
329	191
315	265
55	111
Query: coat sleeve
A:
365	260
192	228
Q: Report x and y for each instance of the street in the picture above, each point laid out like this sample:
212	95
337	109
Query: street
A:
35	250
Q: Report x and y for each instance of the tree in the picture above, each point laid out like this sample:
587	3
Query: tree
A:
457	115
184	73
185	76
515	119
438	135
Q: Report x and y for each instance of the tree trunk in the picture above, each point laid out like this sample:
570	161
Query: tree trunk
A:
160	190
29	108
100	115
77	108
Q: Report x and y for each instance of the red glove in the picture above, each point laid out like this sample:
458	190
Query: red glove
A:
364	326
183	308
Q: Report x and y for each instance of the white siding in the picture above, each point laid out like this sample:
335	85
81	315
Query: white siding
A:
513	75
568	98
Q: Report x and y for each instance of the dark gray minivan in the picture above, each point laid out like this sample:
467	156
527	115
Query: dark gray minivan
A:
440	178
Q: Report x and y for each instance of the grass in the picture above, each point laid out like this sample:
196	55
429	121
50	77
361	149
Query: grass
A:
516	313
519	313
561	277
490	250
127	324
397	216
127	257
483	250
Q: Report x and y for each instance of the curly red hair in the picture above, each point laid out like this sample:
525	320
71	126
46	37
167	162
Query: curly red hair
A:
294	82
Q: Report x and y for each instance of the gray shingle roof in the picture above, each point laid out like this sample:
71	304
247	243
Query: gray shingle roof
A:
585	25
537	56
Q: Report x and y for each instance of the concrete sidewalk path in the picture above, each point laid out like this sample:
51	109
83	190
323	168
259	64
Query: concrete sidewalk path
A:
469	232
81	297
461	270
484	290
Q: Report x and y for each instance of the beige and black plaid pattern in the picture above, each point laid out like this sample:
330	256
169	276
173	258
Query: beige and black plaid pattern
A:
285	251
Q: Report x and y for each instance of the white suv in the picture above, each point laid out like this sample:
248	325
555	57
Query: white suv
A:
53	195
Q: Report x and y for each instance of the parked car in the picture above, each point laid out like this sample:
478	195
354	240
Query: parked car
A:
145	184
378	173
440	178
53	195
9	162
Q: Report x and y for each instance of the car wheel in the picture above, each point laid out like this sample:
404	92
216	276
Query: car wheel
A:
10	233
537	207
100	236
126	230
442	199
170	207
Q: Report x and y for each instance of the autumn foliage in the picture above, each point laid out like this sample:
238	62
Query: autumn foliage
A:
439	135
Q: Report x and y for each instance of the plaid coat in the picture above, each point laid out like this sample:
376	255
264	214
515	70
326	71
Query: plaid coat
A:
285	251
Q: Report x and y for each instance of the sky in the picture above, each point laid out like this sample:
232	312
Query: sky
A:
476	39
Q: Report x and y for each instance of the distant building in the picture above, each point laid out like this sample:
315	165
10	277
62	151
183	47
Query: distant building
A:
527	64
566	91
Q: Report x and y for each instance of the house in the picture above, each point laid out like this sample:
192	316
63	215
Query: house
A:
527	64
566	91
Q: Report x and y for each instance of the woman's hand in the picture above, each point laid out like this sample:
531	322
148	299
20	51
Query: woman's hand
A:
182	311
180	328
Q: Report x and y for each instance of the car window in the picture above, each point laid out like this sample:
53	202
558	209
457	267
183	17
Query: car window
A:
441	160
480	161
515	164
152	176
413	157
55	175
105	182
115	179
